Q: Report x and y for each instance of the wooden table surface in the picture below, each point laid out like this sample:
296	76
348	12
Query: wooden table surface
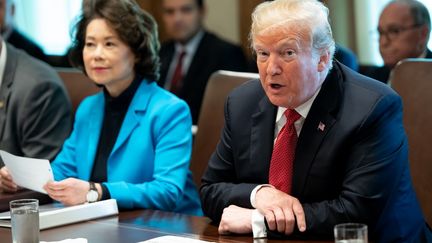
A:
134	226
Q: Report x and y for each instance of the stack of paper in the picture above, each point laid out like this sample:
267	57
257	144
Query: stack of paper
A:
67	215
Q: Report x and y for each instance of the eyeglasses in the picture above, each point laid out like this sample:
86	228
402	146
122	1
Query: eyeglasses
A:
394	31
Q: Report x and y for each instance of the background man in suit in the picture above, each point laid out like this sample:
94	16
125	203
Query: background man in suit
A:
339	147
404	28
35	110
346	57
12	35
204	53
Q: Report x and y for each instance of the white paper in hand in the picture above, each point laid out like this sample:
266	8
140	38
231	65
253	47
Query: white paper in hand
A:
28	172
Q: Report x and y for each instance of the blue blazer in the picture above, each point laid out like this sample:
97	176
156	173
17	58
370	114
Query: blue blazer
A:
149	164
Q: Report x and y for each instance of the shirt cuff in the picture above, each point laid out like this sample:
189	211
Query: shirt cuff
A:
254	191
259	229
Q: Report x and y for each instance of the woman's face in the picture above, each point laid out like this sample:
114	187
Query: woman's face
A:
108	60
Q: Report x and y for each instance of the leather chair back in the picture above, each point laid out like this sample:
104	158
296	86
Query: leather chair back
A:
412	79
211	118
77	84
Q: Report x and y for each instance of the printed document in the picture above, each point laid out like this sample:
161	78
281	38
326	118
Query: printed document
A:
29	173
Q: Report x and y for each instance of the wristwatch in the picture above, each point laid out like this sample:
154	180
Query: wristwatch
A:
92	194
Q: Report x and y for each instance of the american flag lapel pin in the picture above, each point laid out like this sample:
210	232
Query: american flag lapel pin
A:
321	127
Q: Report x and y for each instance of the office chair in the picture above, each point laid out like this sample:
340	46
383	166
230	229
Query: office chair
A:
211	117
412	79
77	84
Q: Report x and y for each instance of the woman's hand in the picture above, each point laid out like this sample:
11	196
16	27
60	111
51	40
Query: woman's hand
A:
6	182
69	191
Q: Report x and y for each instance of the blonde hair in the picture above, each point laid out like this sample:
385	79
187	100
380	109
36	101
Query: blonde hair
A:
310	15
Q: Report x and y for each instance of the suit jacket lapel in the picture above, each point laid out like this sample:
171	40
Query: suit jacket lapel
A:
319	121
6	86
136	109
166	56
190	79
95	125
262	133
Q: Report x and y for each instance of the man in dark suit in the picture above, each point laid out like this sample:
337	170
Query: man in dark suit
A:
35	111
312	143
12	35
204	53
404	28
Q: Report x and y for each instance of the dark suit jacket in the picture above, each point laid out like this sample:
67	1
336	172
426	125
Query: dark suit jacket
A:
20	41
355	170
211	55
346	57
383	73
35	111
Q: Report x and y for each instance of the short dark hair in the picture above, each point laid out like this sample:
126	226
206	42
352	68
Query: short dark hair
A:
419	12
200	3
134	26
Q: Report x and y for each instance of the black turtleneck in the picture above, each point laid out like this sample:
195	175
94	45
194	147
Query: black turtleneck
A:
114	113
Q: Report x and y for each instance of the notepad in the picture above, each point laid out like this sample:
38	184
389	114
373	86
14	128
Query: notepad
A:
55	215
26	172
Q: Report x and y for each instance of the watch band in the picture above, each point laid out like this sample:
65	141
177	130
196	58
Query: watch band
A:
92	186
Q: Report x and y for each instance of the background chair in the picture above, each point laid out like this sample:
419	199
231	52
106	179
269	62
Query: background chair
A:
211	118
77	84
412	79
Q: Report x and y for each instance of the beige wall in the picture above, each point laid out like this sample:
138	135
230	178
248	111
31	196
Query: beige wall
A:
222	18
340	21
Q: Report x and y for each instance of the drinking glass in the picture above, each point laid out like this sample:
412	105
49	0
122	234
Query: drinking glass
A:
351	233
25	220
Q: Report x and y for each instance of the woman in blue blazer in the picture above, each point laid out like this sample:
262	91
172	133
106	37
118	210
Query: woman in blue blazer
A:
132	141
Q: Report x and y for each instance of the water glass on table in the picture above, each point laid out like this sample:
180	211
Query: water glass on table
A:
25	220
351	233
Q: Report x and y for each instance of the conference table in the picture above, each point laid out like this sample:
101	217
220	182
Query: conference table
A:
131	226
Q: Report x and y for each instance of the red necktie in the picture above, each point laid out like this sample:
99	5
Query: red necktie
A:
281	165
178	74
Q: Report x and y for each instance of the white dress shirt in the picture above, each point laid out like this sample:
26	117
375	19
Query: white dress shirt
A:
190	49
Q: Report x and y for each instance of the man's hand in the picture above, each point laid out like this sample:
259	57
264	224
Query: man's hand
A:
236	220
6	182
280	210
70	191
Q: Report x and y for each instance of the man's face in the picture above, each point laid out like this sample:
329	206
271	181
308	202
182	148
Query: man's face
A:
399	38
288	69
182	19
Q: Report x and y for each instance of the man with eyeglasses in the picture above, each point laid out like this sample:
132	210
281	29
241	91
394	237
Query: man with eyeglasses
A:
404	27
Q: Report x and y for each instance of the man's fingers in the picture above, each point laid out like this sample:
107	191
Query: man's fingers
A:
289	221
280	219
222	229
299	215
271	219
